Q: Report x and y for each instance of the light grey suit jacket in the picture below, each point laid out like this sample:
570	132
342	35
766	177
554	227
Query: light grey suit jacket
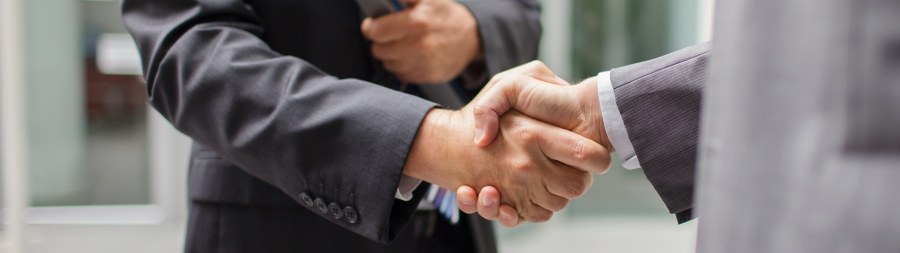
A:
800	139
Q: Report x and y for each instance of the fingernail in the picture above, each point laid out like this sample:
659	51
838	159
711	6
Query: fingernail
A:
503	216
466	201
479	133
488	202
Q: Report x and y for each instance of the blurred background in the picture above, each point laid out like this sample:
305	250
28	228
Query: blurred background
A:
108	174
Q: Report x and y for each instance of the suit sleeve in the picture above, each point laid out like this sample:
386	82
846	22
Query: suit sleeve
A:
510	31
659	101
276	117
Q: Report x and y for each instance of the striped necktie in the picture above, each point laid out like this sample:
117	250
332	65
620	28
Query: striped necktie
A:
444	201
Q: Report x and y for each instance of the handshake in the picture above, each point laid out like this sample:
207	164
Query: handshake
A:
537	139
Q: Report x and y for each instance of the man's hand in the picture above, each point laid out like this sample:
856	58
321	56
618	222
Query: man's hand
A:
431	42
535	91
537	166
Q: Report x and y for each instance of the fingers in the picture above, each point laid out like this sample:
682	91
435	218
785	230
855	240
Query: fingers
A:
553	104
466	198
574	150
489	208
552	202
496	101
534	69
388	28
566	183
509	217
503	92
535	214
399	67
488	203
391	51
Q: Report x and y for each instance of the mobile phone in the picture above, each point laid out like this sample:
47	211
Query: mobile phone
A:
378	8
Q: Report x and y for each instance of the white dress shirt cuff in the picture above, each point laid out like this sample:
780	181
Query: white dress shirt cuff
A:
612	121
407	186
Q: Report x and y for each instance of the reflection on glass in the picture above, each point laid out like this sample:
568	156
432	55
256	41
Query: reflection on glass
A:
88	129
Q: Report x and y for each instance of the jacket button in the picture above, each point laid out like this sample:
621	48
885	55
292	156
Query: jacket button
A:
306	200
350	214
335	211
321	206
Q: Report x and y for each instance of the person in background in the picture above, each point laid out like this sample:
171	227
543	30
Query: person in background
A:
304	139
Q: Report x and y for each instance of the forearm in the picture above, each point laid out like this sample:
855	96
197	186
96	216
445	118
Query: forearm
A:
276	117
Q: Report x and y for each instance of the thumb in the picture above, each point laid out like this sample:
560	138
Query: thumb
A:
489	107
540	100
500	93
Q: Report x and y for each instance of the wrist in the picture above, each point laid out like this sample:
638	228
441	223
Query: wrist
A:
590	101
434	153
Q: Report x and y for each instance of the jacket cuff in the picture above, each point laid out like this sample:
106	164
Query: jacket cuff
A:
685	216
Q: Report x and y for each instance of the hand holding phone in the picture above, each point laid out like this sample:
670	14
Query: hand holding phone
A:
431	41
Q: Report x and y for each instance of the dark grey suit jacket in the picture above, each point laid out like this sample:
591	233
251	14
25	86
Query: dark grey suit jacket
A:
278	96
800	141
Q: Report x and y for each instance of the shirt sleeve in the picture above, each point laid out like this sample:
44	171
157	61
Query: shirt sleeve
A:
612	120
407	186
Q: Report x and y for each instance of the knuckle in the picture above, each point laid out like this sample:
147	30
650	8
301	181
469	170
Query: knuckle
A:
524	133
536	65
496	78
481	109
579	153
560	205
541	217
419	23
521	166
579	188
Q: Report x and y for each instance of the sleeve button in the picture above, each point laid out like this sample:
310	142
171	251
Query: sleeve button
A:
350	215
335	211
306	200
321	206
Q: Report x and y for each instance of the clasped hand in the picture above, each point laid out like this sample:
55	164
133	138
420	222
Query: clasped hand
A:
539	155
534	90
